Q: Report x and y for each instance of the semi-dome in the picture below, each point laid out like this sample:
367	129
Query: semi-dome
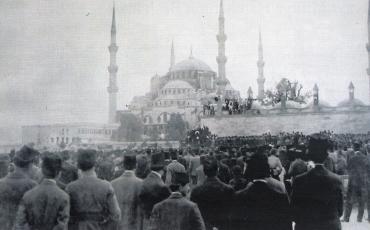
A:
177	84
191	64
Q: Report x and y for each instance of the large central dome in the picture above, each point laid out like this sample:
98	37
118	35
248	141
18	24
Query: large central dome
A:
191	64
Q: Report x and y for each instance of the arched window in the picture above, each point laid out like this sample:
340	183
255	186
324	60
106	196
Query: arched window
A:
159	119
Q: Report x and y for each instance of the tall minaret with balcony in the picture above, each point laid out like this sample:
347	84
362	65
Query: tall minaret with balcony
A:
112	69
368	44
260	64
221	59
172	61
221	38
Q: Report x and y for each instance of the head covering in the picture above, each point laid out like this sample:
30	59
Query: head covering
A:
26	154
317	148
180	178
86	158
158	161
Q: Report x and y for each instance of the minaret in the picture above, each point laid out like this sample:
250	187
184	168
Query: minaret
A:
221	38
260	64
112	69
172	56
368	44
351	89
316	96
221	59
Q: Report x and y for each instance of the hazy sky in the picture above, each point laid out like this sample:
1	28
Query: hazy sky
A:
54	56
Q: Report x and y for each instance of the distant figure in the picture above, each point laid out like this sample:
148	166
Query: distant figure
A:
4	164
105	168
317	195
14	186
93	201
127	188
194	163
154	189
201	177
358	167
213	197
46	206
143	166
68	172
177	212
238	182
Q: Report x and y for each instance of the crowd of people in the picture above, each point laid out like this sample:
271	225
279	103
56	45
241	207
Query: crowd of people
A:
262	182
230	105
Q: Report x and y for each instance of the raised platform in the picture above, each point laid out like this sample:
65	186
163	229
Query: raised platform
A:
307	123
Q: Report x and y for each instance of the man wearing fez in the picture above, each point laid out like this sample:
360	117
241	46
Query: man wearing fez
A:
46	206
154	190
358	167
317	195
14	185
177	212
213	197
93	202
127	188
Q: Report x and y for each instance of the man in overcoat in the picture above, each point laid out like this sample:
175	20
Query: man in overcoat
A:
177	212
14	186
93	202
45	207
317	195
127	188
213	197
154	190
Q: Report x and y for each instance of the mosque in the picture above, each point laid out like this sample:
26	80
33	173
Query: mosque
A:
191	83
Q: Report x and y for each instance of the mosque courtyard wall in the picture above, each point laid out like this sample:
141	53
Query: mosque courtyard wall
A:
307	123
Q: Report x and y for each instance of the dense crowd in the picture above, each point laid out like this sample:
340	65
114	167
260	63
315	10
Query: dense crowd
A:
261	182
230	105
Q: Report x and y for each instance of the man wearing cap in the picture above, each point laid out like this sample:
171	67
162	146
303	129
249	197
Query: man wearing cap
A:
177	212
357	183
154	190
213	197
173	167
317	195
93	202
13	187
127	188
46	206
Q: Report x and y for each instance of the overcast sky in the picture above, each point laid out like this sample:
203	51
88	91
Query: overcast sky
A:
54	57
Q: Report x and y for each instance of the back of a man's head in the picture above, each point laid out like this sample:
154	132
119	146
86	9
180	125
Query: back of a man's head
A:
210	167
129	162
318	148
86	159
51	165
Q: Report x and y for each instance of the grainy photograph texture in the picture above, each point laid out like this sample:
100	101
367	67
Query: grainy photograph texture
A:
184	114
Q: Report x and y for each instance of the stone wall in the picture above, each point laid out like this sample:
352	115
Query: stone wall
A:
338	121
